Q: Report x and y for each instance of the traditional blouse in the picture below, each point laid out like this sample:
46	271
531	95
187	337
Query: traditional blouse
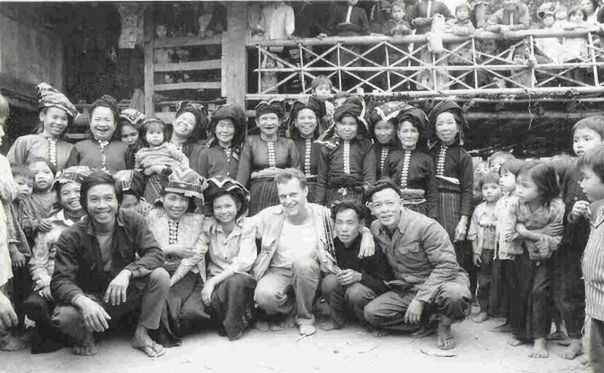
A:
349	164
99	155
227	251
30	146
309	156
413	169
382	155
42	262
258	155
454	173
214	161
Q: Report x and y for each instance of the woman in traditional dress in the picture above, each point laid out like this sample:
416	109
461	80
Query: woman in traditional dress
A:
189	128
382	130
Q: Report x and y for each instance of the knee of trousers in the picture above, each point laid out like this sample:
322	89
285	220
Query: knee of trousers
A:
268	298
358	296
35	308
372	313
161	277
328	285
454	300
67	318
306	266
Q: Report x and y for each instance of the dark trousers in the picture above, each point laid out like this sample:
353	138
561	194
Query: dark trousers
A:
569	289
21	289
387	311
483	277
530	315
233	303
146	293
343	299
596	345
39	310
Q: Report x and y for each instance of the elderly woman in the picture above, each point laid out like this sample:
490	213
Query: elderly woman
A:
55	114
382	130
304	118
263	155
221	156
189	127
409	167
179	233
103	152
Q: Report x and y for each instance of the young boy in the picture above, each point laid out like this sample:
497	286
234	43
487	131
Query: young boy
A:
35	210
360	280
483	235
591	165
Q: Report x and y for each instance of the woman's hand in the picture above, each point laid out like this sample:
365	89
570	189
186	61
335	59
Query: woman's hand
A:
460	230
206	292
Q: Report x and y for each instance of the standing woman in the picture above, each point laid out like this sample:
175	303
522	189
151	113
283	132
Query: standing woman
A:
454	175
264	155
102	152
412	169
221	156
382	130
189	127
303	128
129	127
55	115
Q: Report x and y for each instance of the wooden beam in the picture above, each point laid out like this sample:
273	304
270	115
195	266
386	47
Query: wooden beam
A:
166	116
186	41
187	85
234	54
188	66
149	70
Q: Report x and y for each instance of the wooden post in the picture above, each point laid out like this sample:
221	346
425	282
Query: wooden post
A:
149	70
234	54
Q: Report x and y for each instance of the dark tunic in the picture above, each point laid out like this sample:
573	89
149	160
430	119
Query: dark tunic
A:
339	168
382	155
112	157
214	161
309	162
358	24
421	11
419	174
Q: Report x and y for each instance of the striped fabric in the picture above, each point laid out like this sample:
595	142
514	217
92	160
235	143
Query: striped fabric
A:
153	189
449	211
593	269
263	193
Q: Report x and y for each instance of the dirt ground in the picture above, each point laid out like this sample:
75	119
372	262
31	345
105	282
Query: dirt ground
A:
349	350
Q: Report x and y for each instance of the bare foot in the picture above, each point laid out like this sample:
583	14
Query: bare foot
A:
515	342
445	340
480	318
558	335
503	328
85	347
539	351
583	360
377	332
573	350
307	329
12	344
261	325
143	342
329	326
288	322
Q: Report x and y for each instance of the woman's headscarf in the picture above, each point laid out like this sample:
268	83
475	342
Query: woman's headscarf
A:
446	107
134	117
108	102
74	174
353	106
237	116
310	102
188	183
387	112
273	106
200	113
219	185
50	97
414	115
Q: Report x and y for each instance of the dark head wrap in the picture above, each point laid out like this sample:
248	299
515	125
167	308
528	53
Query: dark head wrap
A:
134	117
50	97
446	107
353	106
188	183
387	112
414	115
237	116
220	185
310	102
108	102
272	106
74	174
199	112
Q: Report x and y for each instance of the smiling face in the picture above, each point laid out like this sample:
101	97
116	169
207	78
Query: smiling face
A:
347	226
54	121
292	196
129	135
408	134
268	124
175	205
592	185
548	20
102	204
43	177
446	128
585	139
387	206
384	132
225	208
69	197
347	127
184	124
102	123
25	186
306	123
225	131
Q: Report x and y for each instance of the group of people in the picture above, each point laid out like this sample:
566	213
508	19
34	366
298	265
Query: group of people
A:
378	211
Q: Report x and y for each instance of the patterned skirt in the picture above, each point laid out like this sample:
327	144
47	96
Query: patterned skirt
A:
153	189
263	194
422	208
449	211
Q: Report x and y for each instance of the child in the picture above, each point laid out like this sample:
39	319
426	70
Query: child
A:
35	210
461	53
397	24
24	179
347	161
163	55
321	88
360	280
591	165
497	159
533	228
569	293
482	234
575	49
551	47
158	157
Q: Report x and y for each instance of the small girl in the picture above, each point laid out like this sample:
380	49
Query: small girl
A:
483	235
575	49
158	157
129	127
35	210
533	228
497	159
346	161
382	130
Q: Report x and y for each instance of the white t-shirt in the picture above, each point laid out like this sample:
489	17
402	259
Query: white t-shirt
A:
296	241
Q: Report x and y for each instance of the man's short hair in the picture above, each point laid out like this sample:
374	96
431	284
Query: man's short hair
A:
347	205
594	159
382	184
94	179
288	174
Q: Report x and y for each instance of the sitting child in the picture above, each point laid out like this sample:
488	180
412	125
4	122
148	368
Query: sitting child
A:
321	88
483	235
359	281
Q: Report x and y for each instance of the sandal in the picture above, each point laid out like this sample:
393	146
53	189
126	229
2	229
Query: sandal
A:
154	350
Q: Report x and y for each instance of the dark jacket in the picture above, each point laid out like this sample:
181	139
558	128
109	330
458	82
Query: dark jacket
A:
78	263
